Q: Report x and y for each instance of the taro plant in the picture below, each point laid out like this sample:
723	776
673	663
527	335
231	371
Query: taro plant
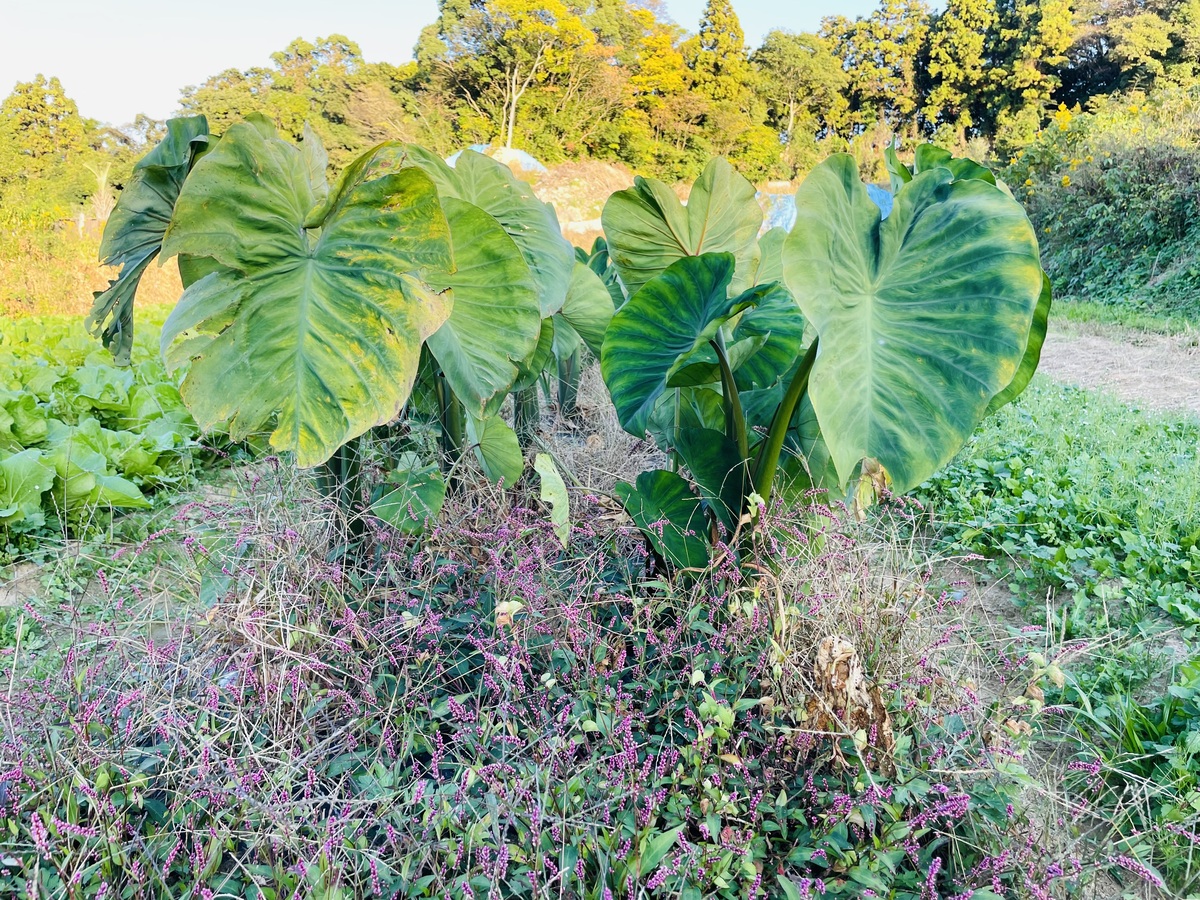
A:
513	306
856	353
310	311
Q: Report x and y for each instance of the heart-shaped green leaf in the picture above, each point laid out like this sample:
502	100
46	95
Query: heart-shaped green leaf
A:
648	228
669	515
318	328
412	495
923	318
673	315
497	447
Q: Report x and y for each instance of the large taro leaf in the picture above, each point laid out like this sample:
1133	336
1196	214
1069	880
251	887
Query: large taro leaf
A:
1033	350
134	232
495	323
689	407
669	515
672	316
770	256
929	156
531	223
719	472
648	229
412	495
777	320
588	309
497	448
531	369
598	260
316	315
923	317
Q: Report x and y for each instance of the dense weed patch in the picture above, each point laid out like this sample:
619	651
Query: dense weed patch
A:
1074	491
1090	510
486	714
1114	193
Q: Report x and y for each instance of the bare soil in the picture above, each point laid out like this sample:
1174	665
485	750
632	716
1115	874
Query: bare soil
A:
1154	371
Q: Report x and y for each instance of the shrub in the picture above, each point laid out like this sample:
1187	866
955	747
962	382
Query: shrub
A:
1115	195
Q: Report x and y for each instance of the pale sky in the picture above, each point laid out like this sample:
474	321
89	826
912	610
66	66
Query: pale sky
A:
117	58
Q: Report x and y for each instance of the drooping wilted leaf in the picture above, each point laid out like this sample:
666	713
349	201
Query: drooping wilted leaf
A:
923	317
554	493
313	323
648	228
134	232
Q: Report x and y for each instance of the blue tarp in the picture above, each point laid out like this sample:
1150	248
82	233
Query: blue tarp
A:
882	198
779	210
517	159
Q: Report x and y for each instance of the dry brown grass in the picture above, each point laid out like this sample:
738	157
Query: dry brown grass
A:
55	273
594	450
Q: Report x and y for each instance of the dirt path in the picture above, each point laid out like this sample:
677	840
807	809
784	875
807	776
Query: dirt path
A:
1154	371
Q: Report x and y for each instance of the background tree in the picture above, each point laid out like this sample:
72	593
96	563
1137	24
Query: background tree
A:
803	85
500	50
881	55
45	145
1025	51
957	66
733	118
